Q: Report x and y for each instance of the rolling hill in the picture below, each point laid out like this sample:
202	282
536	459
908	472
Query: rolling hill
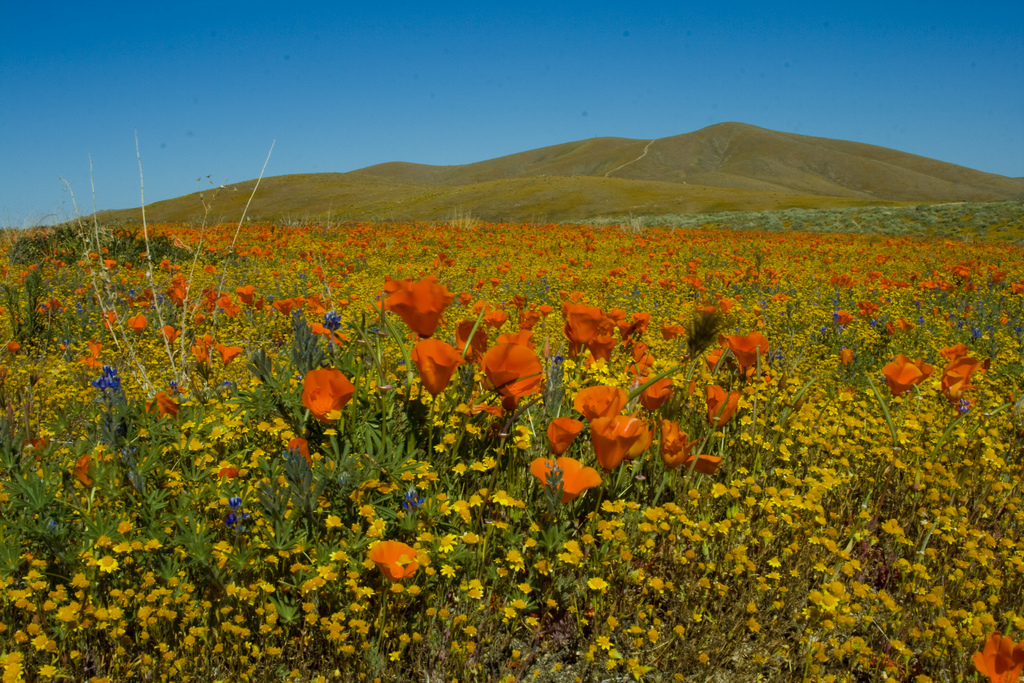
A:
725	167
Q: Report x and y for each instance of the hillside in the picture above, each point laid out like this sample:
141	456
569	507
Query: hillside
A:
725	167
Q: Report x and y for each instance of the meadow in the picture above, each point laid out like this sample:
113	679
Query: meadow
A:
509	452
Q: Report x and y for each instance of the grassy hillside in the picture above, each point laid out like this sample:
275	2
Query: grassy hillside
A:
726	167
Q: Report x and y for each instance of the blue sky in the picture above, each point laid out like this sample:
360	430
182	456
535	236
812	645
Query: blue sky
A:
339	86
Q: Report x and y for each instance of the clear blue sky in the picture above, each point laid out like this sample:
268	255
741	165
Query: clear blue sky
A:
340	86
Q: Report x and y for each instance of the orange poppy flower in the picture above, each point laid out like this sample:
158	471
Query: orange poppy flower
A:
638	325
227	472
394	559
655	395
302	446
284	306
720	406
600	401
202	353
843	318
325	391
512	369
167	406
170	334
82	470
561	433
954	352
613	437
712	359
675	450
583	323
670	332
228	353
245	294
522	337
13	347
1001	659
418	304
642	444
575	477
902	373
496	319
528	319
137	323
845	356
477	347
601	347
436	362
956	377
747	348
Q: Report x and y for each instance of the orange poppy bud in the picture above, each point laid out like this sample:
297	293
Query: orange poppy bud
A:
202	353
512	369
720	406
302	447
613	437
575	477
600	401
418	304
325	391
655	395
395	560
561	433
13	347
1001	659
845	356
436	362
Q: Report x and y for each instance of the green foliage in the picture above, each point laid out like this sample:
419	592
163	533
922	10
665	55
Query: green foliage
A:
966	220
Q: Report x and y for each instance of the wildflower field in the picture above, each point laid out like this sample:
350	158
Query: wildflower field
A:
509	453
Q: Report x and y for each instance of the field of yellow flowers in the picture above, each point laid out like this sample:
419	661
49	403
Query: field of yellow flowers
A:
509	453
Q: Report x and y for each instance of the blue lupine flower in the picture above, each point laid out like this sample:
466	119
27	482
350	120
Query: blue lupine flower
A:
332	321
964	407
232	519
235	502
412	500
108	380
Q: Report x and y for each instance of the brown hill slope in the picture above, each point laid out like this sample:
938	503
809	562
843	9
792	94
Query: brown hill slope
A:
729	166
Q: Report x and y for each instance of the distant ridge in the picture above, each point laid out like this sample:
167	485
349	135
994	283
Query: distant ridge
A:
724	167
